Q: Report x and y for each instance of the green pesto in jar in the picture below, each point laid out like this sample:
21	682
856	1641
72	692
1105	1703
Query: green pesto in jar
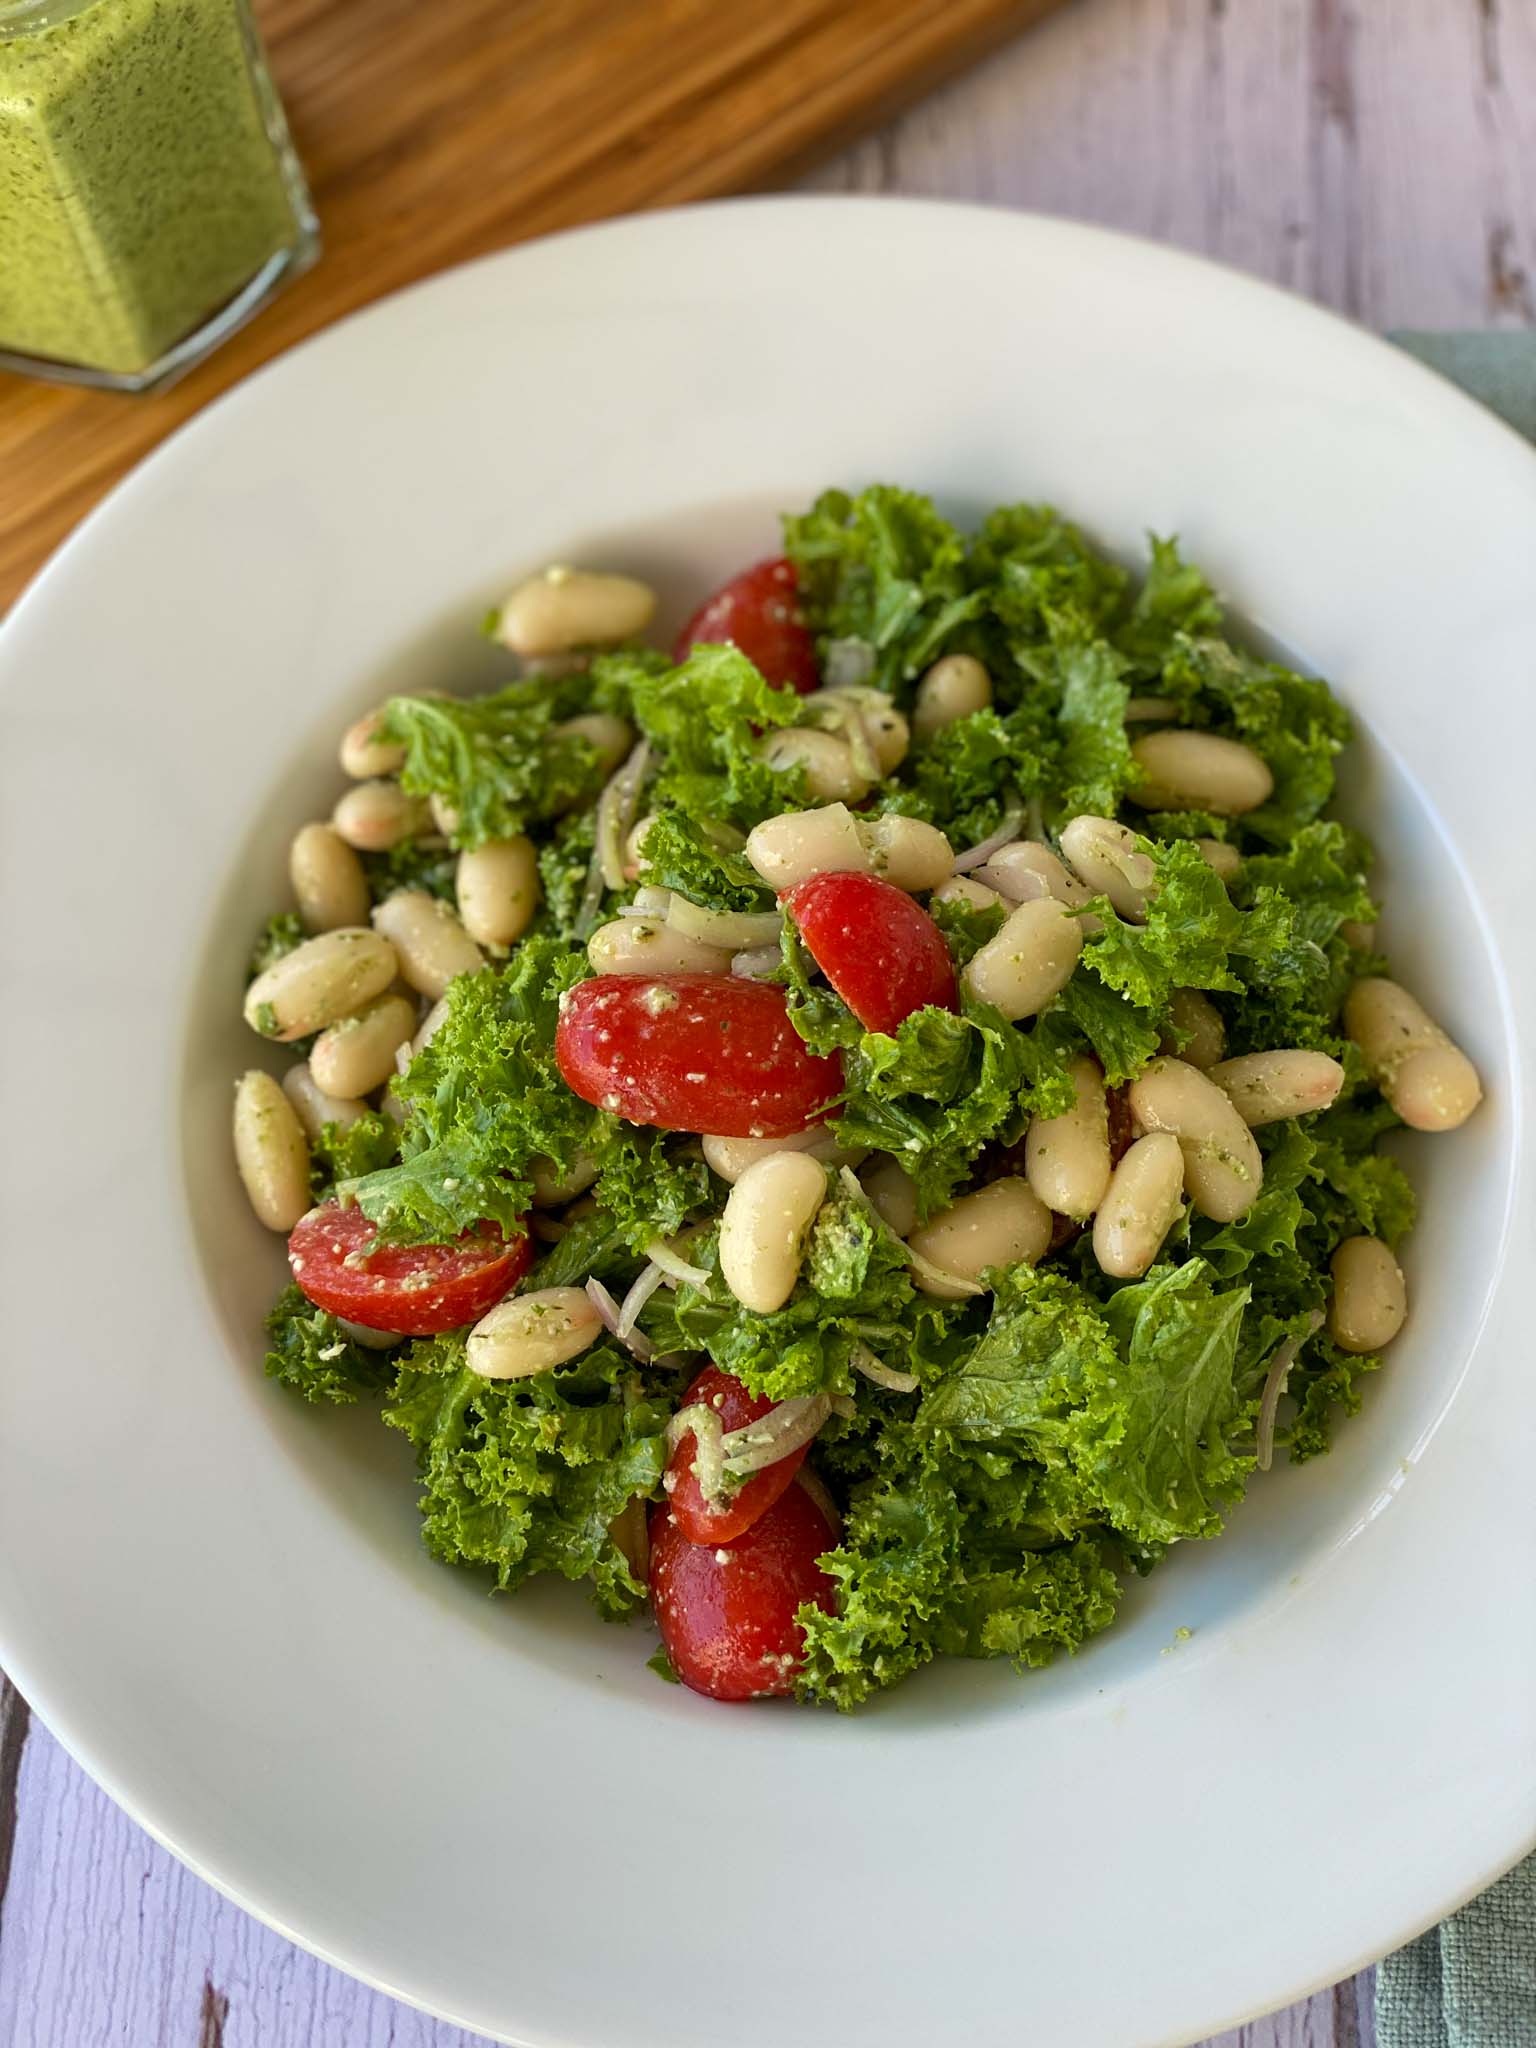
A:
140	188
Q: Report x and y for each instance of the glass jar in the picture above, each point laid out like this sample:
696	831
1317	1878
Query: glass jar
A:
150	198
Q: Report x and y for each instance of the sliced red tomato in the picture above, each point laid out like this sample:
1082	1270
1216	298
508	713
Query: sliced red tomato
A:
882	952
727	1616
700	1522
759	612
693	1052
417	1289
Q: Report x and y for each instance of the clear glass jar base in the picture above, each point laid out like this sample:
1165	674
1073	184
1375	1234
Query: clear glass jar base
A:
278	271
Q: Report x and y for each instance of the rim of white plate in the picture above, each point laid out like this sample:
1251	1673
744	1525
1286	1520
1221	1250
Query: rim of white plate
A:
571	279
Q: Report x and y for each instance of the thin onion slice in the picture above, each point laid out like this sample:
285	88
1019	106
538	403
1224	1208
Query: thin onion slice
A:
984	849
642	1288
864	1360
1274	1386
608	1314
674	1265
758	963
816	1487
700	1421
734	930
848	662
756	1445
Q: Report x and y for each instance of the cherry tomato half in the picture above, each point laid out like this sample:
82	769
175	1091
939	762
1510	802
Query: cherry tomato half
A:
727	1617
699	1522
759	612
417	1289
693	1052
882	952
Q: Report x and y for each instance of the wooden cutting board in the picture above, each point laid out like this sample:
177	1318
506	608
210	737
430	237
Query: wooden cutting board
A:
434	130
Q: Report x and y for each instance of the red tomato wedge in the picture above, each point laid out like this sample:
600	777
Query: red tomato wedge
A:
416	1289
693	1052
759	612
699	1522
882	952
727	1617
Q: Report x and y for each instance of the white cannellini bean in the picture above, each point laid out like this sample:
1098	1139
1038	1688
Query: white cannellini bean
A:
1223	1168
1002	1224
973	894
1066	1157
328	880
730	1157
1361	936
1195	1031
1266	1087
825	759
797	844
364	755
648	945
1369	1304
271	1151
325	978
553	1187
1106	856
1422	1072
893	1192
497	889
763	1228
1140	1207
563	609
885	727
1025	870
357	1055
444	815
529	1333
374	816
953	688
909	853
313	1107
1182	770
430	1025
433	947
610	737
1218	855
1030	960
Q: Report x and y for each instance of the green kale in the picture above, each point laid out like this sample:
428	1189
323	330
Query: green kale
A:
348	1151
279	935
525	1476
498	762
885	569
312	1356
484	1098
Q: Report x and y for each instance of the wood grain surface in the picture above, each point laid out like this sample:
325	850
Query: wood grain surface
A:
1379	155
435	133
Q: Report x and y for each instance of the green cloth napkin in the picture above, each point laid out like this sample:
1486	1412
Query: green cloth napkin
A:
1472	1982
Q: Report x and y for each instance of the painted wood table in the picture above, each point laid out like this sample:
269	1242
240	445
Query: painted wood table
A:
1379	155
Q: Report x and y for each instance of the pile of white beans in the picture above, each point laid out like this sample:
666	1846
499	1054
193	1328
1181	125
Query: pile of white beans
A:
365	986
368	979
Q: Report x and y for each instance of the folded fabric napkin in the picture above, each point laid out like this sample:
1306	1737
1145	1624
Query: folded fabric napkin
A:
1472	1982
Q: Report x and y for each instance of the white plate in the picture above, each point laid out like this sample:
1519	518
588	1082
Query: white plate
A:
217	1599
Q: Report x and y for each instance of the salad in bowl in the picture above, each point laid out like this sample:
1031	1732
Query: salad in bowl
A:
856	1133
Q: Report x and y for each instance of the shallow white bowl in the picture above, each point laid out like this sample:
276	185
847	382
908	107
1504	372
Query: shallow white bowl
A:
217	1600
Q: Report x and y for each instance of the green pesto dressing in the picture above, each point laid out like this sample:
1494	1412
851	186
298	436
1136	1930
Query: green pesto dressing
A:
140	187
